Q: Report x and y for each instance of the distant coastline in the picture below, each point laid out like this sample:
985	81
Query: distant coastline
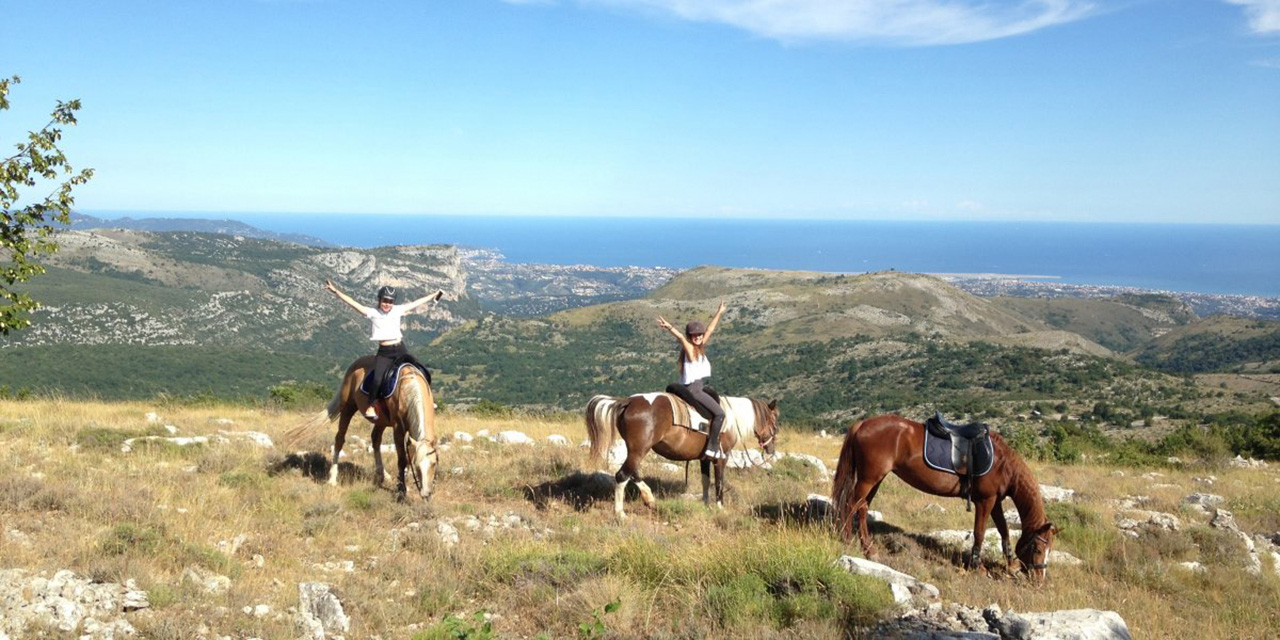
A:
1203	259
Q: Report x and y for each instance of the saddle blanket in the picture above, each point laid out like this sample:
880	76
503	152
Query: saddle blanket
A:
393	379
937	454
682	415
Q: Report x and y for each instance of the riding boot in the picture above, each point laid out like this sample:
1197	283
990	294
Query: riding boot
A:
712	450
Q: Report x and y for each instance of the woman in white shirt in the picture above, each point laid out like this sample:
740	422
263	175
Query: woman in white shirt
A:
386	332
695	371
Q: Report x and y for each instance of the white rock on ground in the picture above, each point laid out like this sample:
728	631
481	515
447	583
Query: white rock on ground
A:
557	440
812	460
207	581
1076	624
739	459
962	540
462	436
66	603
1056	494
905	588
320	611
514	437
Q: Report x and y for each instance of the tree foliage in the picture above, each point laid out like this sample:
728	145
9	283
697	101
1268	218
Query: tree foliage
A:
25	230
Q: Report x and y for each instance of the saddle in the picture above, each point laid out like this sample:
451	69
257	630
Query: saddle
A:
962	449
683	413
393	379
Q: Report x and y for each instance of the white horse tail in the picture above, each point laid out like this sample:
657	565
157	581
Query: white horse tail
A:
602	424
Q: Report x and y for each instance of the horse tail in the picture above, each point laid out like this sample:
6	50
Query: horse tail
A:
335	404
602	417
846	480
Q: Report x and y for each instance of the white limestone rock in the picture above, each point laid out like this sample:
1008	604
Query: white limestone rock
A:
905	588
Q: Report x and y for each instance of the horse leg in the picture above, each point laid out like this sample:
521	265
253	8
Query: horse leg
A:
982	509
401	436
997	516
720	465
380	475
863	492
338	439
705	465
629	470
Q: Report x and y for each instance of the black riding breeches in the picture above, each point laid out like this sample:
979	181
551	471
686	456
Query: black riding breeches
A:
383	362
697	391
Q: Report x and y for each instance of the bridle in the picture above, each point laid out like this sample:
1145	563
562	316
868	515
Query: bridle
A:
1044	566
412	453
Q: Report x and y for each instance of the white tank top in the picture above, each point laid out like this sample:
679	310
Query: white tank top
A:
386	326
695	369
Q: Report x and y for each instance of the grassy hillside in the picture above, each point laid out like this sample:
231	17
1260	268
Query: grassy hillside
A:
1121	324
1219	343
547	558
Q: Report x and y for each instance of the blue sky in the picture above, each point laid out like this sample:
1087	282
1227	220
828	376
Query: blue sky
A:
1136	111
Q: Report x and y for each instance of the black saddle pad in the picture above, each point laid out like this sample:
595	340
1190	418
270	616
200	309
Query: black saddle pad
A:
393	378
937	454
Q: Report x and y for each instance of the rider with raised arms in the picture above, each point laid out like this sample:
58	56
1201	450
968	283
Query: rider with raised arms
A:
386	332
695	370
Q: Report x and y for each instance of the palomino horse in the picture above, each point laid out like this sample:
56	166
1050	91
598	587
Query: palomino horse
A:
877	446
410	411
645	423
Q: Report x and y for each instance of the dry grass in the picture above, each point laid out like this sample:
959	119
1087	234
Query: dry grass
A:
757	569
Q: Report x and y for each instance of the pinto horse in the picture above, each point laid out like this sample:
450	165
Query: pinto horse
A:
645	423
877	446
410	412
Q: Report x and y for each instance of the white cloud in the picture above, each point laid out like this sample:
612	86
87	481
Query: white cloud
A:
1264	15
897	22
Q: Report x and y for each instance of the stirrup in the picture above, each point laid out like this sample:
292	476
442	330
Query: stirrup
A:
714	454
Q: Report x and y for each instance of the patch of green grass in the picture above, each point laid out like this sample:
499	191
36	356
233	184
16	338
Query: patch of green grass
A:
247	480
678	509
359	499
1082	529
560	568
454	628
209	558
129	537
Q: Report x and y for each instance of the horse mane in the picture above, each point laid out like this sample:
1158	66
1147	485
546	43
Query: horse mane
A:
1023	488
415	407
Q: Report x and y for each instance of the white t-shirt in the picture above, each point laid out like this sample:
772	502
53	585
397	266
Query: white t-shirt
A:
386	326
695	369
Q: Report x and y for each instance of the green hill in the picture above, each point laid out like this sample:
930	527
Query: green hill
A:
1216	344
1121	324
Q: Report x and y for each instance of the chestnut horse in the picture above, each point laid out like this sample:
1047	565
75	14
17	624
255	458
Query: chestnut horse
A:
410	412
877	446
645	423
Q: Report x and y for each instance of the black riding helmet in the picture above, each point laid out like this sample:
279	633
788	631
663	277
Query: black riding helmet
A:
387	293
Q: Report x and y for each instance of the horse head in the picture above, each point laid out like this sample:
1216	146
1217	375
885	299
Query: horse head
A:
424	461
767	427
1033	550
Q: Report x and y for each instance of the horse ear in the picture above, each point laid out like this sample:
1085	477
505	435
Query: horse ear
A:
1053	529
773	405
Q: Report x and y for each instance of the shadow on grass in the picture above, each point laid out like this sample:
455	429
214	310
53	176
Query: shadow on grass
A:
316	466
582	490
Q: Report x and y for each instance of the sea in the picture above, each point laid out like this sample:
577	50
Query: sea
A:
1201	258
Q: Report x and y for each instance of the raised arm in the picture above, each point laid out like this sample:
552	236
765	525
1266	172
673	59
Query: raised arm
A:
684	342
363	310
715	322
439	293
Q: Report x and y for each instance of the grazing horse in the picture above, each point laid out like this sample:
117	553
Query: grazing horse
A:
410	412
645	423
877	446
